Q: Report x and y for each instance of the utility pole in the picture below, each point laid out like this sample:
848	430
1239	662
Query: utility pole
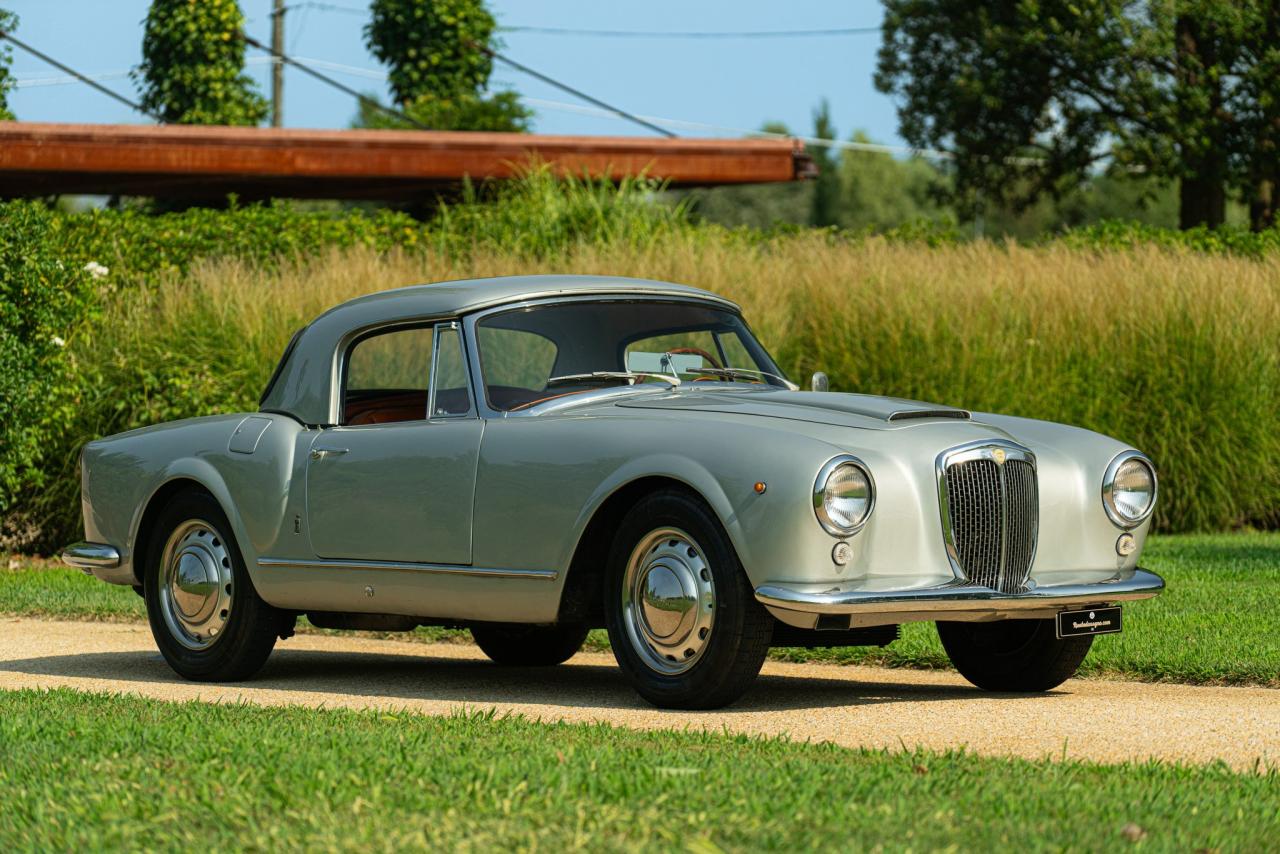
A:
277	64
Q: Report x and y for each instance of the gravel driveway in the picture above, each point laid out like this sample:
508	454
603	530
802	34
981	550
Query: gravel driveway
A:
853	706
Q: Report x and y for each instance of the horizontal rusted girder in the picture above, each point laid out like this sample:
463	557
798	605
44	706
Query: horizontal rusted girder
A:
203	161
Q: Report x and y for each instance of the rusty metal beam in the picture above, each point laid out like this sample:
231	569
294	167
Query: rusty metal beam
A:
198	161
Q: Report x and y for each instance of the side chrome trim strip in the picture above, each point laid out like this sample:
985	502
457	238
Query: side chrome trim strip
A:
402	566
961	596
91	556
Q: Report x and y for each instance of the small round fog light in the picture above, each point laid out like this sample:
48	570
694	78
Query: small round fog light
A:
1126	545
842	554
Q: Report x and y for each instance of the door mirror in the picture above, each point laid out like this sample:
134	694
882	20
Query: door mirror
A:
819	382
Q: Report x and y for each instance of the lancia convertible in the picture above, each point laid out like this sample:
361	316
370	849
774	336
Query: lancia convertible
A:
535	457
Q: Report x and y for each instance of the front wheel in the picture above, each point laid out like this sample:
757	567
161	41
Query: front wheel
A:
1013	655
529	646
683	620
206	617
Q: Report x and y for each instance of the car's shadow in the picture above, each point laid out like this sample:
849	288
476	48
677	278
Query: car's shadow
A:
479	682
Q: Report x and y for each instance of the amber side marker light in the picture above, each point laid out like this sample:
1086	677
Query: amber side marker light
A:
760	487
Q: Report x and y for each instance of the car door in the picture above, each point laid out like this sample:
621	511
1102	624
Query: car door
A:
395	480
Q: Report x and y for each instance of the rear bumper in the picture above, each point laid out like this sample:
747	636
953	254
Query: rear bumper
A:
90	556
101	560
803	605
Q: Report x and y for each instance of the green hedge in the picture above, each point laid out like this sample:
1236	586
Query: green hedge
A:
1228	240
44	296
50	402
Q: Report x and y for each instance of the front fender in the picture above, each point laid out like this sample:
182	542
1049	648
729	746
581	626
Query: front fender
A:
683	469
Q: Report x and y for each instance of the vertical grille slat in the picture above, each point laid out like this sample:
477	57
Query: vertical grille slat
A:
993	512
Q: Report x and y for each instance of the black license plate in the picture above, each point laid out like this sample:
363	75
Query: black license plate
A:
1091	621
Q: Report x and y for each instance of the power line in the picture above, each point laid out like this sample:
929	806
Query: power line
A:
629	34
577	93
324	78
81	77
817	142
329	7
710	34
65	79
31	81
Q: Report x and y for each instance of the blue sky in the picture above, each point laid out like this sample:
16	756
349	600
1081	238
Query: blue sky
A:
727	83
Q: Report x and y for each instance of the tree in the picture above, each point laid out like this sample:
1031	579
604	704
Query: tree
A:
1034	98
438	68
8	23
192	69
879	191
1259	122
826	190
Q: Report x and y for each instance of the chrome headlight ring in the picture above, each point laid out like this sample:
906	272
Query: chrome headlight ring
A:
1115	469
844	465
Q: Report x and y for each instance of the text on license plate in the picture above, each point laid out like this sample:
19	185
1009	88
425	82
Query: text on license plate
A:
1090	621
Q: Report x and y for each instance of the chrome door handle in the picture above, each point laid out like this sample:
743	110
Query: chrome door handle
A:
321	453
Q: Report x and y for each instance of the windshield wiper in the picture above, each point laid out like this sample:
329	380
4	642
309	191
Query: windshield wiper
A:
741	373
628	377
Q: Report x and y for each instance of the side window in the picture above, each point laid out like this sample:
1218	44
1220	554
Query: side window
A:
387	377
452	395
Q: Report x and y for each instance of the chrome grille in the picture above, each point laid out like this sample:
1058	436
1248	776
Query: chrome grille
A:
991	512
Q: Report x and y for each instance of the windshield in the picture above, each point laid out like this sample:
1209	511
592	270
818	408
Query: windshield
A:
534	354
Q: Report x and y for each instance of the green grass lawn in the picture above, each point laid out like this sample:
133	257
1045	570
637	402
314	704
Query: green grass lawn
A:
96	771
1217	622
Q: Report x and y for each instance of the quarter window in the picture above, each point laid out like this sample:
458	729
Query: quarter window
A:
389	376
452	392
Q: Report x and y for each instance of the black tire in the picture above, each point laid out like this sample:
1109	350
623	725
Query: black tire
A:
522	645
733	648
251	626
1013	655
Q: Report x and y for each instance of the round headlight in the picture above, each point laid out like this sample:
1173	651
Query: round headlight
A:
843	496
1129	489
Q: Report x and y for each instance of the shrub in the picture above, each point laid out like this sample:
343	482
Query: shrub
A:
436	72
43	297
8	23
1118	234
192	69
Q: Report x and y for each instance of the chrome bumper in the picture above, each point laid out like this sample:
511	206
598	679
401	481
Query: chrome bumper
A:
91	556
802	606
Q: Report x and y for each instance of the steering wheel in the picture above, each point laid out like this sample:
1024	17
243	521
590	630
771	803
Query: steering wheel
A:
697	351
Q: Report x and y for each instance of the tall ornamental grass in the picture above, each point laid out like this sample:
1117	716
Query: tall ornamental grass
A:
1173	352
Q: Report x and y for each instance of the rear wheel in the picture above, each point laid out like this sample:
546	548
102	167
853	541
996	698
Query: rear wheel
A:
521	645
683	620
1013	655
206	617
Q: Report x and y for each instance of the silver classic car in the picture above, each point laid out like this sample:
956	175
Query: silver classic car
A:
534	457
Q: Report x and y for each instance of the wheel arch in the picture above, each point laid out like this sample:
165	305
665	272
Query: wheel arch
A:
580	597
178	480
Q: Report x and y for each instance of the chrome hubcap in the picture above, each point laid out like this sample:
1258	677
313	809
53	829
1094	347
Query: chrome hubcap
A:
668	601
195	585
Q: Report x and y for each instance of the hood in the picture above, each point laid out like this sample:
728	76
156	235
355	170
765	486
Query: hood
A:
847	410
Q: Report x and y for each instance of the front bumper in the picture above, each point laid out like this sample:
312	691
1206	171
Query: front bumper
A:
825	606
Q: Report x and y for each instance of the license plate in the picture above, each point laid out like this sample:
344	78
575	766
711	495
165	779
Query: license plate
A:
1091	621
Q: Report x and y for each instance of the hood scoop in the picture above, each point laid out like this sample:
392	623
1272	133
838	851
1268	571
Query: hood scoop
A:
908	414
853	410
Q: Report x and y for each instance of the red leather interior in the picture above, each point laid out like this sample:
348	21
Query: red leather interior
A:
386	408
398	405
